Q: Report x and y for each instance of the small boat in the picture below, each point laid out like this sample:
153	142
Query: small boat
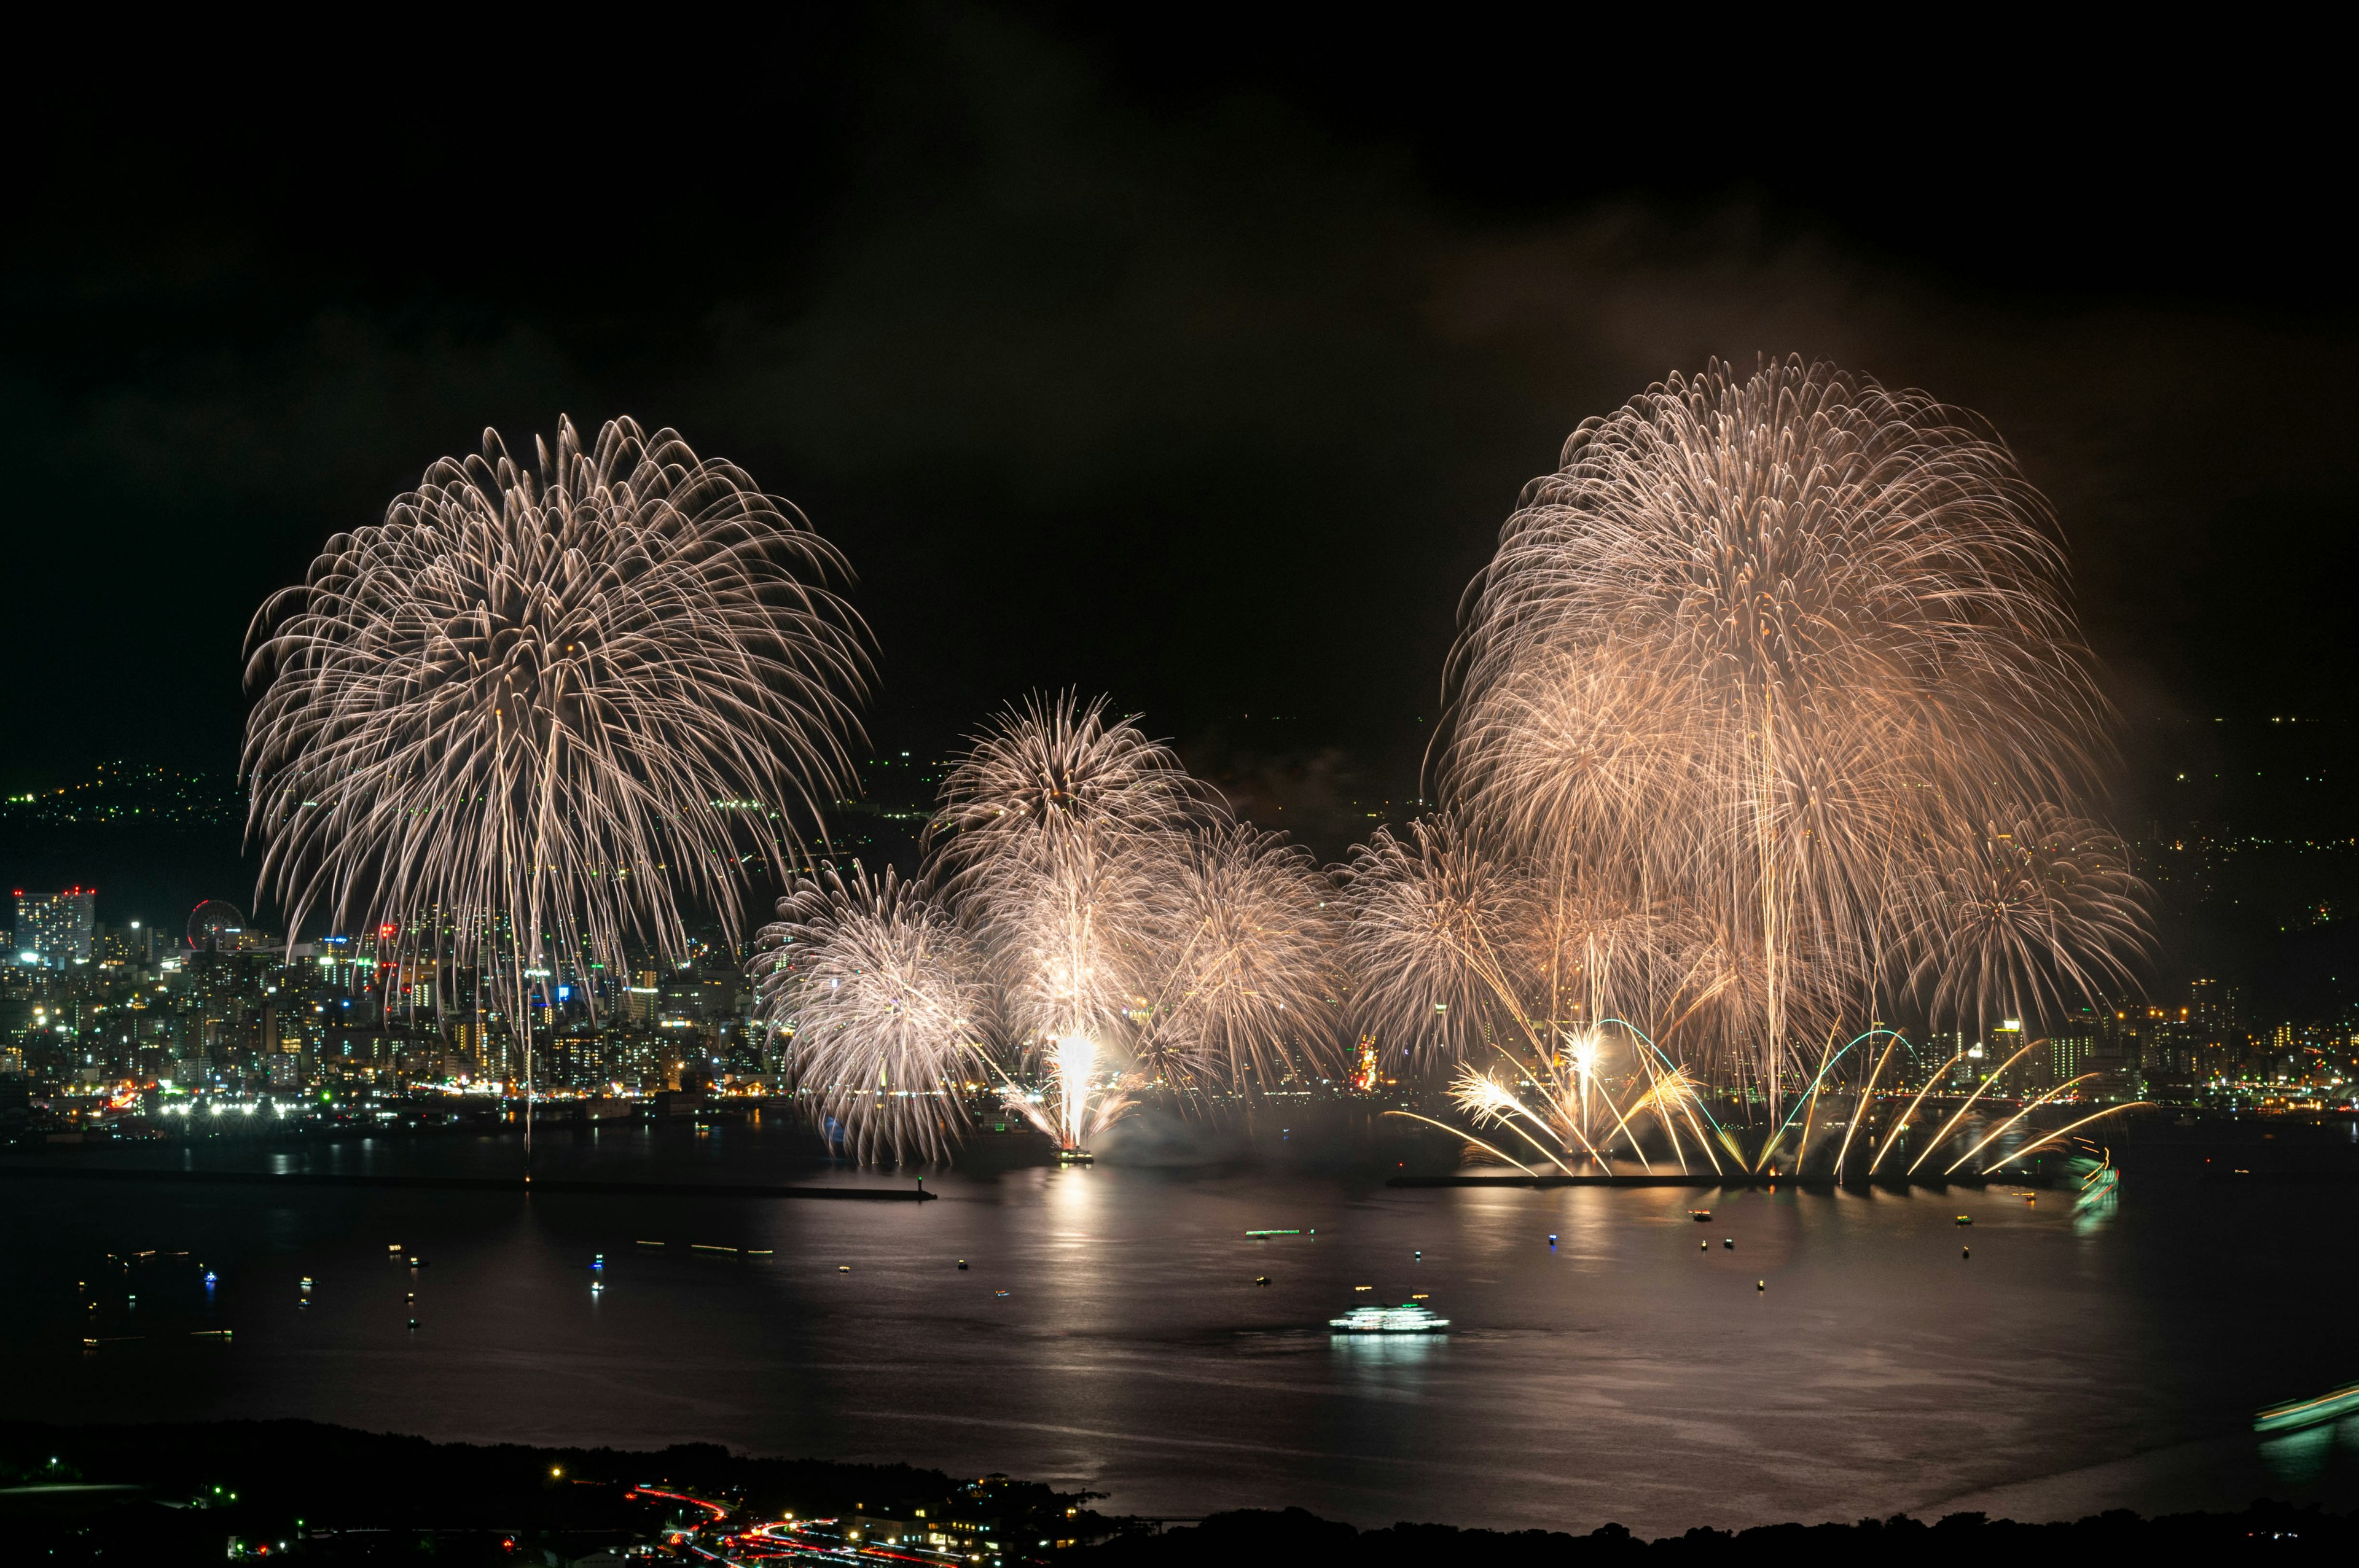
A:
1075	1157
2296	1413
1406	1318
1966	1219
1701	1215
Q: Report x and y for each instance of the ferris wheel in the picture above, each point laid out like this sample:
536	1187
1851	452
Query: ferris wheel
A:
215	925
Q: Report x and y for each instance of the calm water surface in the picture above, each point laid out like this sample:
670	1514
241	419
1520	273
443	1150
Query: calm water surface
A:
1624	1373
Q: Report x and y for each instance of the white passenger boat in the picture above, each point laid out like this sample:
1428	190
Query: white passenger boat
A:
1406	1318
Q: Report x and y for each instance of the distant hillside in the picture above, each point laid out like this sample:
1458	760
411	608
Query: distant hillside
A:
153	840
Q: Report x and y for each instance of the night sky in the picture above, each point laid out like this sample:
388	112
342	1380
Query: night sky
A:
1179	358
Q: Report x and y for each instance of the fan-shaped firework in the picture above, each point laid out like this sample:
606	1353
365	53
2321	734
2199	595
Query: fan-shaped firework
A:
1463	948
1080	1096
880	993
564	701
1764	652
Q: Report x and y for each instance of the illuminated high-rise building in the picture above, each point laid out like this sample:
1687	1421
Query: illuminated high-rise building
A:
2067	1056
55	932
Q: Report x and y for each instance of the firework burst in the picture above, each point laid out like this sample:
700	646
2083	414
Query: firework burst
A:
1056	829
1239	951
882	996
558	704
1765	657
2036	910
1434	924
1128	932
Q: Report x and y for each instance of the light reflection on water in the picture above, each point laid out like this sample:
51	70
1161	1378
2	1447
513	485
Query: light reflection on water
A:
1624	1374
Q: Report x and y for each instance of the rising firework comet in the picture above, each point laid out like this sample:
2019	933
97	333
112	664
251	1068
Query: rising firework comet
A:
882	998
560	703
1768	656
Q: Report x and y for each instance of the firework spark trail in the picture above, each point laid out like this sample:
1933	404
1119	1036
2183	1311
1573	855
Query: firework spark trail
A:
1828	1061
2066	1131
1485	1101
1685	1093
2033	911
1901	1125
564	700
1510	1158
1586	1054
1774	653
1860	1109
1806	1104
1431	917
1078	1103
1668	1095
1959	1115
1056	829
1452	944
1995	1133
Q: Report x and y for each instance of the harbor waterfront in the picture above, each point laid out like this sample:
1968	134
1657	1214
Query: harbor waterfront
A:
1606	1357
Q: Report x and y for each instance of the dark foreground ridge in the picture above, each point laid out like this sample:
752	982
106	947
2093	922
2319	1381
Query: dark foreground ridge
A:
471	1183
175	1492
2266	1530
172	1493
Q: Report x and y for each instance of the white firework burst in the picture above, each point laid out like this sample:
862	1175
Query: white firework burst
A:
556	704
881	996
